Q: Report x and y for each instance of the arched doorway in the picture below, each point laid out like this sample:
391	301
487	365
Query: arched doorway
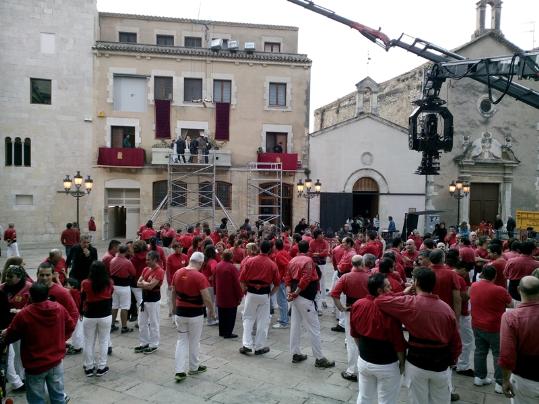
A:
366	196
269	203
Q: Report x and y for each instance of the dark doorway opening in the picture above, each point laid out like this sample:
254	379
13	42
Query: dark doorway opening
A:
484	202
366	196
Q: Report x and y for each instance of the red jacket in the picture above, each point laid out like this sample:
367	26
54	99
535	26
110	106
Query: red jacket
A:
228	292
302	269
282	258
61	295
260	271
31	325
175	262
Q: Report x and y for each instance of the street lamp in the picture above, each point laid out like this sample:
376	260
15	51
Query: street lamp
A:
458	190
77	192
307	191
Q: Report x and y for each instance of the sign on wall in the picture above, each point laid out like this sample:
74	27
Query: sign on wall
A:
526	218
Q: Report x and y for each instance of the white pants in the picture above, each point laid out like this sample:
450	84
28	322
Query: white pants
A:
426	386
77	338
378	383
96	329
188	344
467	338
303	312
351	347
91	233
526	391
257	308
339	315
121	297
12	250
15	371
137	292
212	296
148	324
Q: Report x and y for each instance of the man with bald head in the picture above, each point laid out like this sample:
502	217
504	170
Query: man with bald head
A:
354	287
519	345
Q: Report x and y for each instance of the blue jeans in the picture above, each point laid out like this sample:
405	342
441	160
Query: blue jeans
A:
283	304
483	342
53	378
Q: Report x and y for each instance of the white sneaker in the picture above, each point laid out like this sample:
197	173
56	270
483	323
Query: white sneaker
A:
482	382
498	388
279	325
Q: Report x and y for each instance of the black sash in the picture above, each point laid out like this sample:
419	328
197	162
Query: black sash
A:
121	281
435	357
376	351
99	309
190	299
149	296
527	367
309	292
258	287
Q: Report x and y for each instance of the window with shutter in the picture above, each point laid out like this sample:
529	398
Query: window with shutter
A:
277	94
165	40
162	88
192	89
273	47
222	90
127	37
192	42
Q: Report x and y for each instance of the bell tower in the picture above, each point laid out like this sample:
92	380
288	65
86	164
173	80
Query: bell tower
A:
495	17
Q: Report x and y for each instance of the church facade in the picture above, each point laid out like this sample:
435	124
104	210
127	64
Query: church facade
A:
495	145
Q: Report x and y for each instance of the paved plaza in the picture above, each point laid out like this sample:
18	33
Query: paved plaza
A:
231	377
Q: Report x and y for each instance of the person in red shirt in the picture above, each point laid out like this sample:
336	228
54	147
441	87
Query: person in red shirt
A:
418	240
302	286
196	245
150	282
208	270
147	232
409	255
175	261
228	294
69	238
42	358
498	262
519	345
59	264
354	287
192	295
318	248
385	266
92	228
397	267
16	288
519	267
96	299
434	340
260	278
282	258
381	346
296	238
451	238
345	263
167	234
152	246
372	247
467	253
77	338
140	249
122	271
111	253
186	240
238	252
488	302
447	283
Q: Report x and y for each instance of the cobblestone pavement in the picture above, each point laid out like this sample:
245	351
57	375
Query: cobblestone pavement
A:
231	377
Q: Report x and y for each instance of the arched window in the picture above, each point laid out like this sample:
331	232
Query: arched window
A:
17	152
205	194
8	151
27	152
224	193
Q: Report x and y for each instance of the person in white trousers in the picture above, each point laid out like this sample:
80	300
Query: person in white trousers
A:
10	237
96	297
302	285
465	325
148	320
191	289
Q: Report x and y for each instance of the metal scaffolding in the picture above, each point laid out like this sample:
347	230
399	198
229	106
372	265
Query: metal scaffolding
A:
265	193
191	195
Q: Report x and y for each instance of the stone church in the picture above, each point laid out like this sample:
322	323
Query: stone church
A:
495	147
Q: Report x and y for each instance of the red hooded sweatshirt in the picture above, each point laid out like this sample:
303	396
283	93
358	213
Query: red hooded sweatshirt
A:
31	325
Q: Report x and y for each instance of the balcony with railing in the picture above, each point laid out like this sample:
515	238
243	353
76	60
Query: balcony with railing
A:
121	157
289	161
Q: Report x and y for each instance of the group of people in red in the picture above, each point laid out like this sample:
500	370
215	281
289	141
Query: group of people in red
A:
449	297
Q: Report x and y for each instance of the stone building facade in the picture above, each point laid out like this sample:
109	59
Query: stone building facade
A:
267	89
47	109
495	146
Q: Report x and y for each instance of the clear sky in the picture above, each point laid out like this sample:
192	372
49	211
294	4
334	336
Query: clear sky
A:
340	54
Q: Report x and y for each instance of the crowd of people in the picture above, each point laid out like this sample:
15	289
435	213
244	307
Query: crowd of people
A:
448	294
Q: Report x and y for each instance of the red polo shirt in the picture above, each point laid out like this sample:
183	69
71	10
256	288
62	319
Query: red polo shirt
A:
228	292
464	285
488	303
107	258
186	240
190	283
174	262
238	254
519	267
345	264
353	285
121	267
370	248
336	256
499	264
446	282
319	246
282	259
467	254
302	269
68	237
262	269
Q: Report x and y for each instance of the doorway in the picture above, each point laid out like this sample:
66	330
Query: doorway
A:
484	202
122	212
117	219
365	198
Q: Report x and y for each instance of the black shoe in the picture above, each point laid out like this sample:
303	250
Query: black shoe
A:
201	369
73	351
348	376
230	336
337	328
89	372
133	318
297	358
19	389
141	348
455	397
262	351
125	330
467	372
102	372
109	351
150	350
180	377
245	350
114	328
324	363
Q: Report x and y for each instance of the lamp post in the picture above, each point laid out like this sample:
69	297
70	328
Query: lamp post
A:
307	191
458	190
78	192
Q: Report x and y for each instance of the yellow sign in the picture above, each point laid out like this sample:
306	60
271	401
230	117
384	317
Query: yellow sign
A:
527	219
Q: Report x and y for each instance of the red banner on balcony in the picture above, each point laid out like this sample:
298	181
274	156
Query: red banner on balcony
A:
162	119
222	121
289	161
121	157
